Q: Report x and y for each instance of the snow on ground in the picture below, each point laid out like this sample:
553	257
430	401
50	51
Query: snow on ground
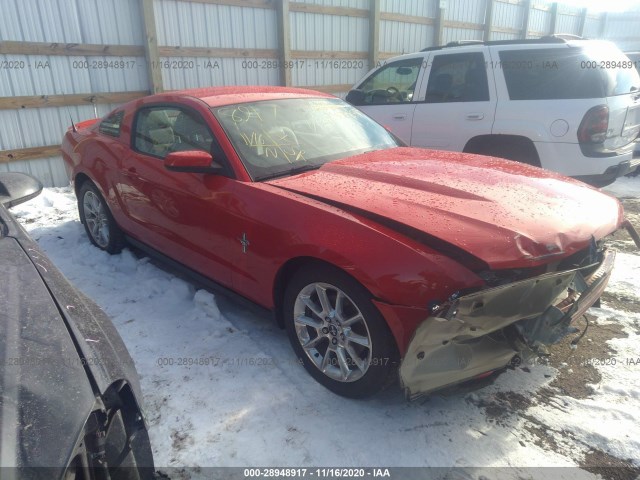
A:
625	187
222	387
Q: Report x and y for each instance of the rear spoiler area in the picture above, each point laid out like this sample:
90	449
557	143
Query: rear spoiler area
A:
83	125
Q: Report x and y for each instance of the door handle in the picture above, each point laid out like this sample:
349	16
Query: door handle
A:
400	116
475	116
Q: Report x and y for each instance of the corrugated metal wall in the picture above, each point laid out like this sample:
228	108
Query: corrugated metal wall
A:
539	19
508	16
404	37
329	33
115	22
592	27
195	24
568	20
188	24
623	32
464	11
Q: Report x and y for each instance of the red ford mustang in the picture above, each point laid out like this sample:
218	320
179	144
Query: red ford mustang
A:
378	259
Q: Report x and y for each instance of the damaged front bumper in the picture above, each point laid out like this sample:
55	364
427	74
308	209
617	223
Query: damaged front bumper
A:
493	328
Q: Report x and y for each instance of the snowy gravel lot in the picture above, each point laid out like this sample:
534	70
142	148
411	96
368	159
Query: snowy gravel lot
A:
271	413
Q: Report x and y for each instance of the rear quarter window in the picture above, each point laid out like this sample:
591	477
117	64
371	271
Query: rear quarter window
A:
550	74
619	73
111	125
595	71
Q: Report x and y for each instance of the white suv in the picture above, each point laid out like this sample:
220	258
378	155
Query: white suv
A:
572	106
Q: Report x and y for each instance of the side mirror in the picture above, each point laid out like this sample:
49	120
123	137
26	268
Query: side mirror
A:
17	188
192	161
355	97
404	71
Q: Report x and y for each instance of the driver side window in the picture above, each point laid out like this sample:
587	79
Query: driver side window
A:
460	77
161	130
393	83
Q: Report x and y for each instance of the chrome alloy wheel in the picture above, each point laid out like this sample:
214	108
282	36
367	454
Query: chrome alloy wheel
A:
333	332
96	219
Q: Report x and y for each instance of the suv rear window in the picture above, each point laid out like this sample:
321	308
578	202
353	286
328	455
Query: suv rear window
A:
572	73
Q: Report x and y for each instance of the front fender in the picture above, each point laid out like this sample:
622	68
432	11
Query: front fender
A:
396	269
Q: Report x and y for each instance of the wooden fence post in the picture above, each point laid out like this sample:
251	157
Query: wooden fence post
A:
583	22
439	30
374	33
284	42
151	47
527	14
554	18
488	16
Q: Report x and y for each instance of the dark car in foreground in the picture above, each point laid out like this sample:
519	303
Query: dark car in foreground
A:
70	395
376	258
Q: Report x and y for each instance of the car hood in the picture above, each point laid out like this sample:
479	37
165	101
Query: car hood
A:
504	213
46	395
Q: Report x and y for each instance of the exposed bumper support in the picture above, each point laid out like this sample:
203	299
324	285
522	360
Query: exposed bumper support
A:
470	337
632	232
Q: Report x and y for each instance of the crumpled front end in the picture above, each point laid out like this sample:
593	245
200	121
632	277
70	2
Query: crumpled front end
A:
493	328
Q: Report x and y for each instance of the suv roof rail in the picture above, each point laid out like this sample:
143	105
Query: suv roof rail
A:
459	43
555	38
564	36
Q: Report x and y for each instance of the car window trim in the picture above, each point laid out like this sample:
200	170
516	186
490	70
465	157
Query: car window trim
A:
419	80
239	156
216	149
118	113
430	68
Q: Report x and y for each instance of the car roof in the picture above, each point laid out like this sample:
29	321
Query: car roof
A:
219	96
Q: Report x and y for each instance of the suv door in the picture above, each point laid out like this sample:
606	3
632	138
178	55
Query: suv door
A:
458	103
389	95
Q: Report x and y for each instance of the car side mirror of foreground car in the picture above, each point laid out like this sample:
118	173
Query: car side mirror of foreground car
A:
192	161
17	188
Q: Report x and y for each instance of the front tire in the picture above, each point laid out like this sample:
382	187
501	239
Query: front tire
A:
102	229
337	332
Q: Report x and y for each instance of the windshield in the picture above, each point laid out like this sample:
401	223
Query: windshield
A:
282	137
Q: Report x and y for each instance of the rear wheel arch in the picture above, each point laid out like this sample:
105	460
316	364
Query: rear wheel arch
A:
512	147
80	180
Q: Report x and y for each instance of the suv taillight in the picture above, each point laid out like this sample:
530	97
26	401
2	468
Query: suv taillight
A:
594	125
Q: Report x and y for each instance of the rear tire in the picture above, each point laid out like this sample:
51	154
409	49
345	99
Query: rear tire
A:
337	332
101	227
